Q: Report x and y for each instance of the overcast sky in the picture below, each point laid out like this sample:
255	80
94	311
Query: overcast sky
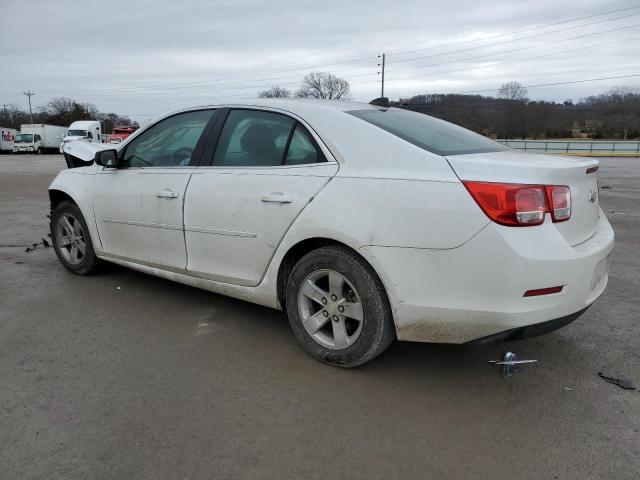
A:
144	58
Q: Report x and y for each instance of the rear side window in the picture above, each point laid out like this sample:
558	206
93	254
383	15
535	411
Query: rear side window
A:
256	138
302	148
253	138
431	134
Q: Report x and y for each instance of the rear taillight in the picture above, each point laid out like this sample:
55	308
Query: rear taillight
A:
518	205
559	198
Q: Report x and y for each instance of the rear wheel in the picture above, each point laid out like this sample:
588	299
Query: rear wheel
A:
71	239
338	308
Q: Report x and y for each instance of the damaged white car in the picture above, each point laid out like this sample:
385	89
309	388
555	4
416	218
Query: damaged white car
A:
364	223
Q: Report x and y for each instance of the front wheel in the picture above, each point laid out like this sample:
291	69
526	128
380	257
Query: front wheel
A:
71	239
338	308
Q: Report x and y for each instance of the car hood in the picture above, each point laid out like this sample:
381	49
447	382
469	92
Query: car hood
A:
84	151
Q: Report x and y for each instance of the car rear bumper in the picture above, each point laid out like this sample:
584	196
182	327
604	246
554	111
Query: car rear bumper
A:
477	290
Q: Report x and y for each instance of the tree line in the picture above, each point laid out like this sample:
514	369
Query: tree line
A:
62	111
510	114
614	114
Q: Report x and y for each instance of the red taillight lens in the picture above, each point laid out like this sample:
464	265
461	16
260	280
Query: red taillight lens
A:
559	203
517	205
510	204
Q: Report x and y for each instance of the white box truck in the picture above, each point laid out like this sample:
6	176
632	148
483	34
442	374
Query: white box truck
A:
7	136
83	130
38	138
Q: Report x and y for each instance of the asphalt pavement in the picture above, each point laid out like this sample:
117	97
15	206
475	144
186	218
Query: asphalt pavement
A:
126	376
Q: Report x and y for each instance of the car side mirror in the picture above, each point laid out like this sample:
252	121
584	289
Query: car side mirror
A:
107	158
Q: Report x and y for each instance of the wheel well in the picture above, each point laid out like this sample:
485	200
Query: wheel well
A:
292	257
56	197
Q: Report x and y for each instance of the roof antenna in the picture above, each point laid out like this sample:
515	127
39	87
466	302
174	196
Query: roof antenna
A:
380	102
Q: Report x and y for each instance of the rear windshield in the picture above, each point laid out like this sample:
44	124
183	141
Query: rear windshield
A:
432	134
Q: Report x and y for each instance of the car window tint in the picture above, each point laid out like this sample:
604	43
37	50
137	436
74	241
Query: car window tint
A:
431	134
169	143
302	149
252	138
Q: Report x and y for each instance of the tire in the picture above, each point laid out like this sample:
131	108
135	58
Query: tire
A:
345	337
69	233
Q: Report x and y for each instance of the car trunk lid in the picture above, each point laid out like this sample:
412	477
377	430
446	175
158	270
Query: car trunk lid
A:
535	169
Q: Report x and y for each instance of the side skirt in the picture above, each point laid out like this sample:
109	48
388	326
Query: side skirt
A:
260	295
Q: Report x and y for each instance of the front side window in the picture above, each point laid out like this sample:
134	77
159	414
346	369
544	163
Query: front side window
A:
431	134
169	143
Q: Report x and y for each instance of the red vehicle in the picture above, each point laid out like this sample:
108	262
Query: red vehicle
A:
118	134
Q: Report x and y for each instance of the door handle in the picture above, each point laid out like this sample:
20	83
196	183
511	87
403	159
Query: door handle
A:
276	197
167	194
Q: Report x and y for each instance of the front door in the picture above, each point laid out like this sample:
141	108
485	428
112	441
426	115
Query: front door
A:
138	205
265	169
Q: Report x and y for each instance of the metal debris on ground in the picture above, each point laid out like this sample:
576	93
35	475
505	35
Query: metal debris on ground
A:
509	364
43	242
621	382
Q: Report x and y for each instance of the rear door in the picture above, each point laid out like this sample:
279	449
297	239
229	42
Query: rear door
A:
263	168
138	206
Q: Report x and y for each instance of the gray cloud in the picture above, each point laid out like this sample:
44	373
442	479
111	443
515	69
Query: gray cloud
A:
147	57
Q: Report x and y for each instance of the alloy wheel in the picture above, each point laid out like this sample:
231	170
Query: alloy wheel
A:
70	238
330	309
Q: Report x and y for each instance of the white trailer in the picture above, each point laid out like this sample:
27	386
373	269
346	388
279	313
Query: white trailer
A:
38	138
7	135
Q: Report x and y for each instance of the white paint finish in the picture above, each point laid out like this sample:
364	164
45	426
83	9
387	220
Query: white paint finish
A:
521	167
85	151
451	274
231	231
402	213
458	295
133	222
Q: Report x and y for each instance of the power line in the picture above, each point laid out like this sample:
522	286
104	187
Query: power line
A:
167	86
511	41
528	47
522	59
575	19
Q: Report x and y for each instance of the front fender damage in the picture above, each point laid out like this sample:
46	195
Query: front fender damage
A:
81	154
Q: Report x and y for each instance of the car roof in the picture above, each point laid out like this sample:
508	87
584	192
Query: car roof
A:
298	105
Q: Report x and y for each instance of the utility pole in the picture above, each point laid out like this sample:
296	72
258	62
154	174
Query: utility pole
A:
382	65
29	94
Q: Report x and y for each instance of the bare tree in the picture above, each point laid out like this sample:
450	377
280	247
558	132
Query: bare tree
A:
513	91
624	107
275	92
324	85
514	96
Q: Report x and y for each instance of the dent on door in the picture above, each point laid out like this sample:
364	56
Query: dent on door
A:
236	218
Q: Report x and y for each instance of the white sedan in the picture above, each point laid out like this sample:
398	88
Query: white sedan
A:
364	223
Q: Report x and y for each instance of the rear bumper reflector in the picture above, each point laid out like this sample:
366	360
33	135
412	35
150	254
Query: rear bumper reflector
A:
543	291
592	169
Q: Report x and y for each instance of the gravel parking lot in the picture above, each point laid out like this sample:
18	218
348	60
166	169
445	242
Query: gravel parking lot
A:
123	375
